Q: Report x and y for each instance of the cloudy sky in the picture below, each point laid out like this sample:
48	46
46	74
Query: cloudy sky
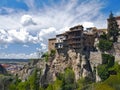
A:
26	25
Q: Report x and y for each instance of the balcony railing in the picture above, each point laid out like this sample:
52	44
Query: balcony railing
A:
71	37
60	45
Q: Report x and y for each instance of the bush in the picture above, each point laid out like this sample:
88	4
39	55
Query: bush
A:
103	36
117	67
68	80
52	53
113	81
108	59
45	56
101	86
83	84
23	86
57	84
105	45
33	82
12	87
103	72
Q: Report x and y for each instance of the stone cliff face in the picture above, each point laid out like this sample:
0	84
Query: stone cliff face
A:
82	65
28	69
52	68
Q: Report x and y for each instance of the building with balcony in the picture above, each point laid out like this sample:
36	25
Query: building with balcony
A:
74	37
60	41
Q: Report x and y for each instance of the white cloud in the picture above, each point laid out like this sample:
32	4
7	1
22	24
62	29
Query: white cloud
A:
19	36
10	21
37	25
44	47
88	24
27	20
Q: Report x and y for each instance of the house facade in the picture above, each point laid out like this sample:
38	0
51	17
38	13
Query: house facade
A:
60	41
76	38
51	44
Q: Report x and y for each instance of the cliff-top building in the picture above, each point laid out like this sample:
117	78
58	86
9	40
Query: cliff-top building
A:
76	38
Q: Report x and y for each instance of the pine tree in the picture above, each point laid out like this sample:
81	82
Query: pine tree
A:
113	30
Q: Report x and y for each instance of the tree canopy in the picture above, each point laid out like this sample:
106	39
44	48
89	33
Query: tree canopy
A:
113	28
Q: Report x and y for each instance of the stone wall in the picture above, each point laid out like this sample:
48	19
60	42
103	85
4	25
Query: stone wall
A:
51	44
117	51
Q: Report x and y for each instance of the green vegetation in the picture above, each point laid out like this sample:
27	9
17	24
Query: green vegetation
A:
108	59
31	84
52	53
46	56
103	72
112	82
103	36
55	86
68	80
108	62
34	85
113	28
65	81
102	86
105	45
84	84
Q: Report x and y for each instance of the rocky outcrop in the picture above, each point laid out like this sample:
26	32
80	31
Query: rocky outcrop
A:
28	69
51	69
2	70
5	80
117	51
81	67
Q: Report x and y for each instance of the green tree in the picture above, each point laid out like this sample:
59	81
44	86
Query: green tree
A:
46	56
23	86
107	59
103	36
105	45
52	52
34	84
68	80
113	28
103	72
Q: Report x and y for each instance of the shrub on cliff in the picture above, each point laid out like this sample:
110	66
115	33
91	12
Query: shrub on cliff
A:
105	45
33	82
52	53
103	72
108	59
46	56
68	80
